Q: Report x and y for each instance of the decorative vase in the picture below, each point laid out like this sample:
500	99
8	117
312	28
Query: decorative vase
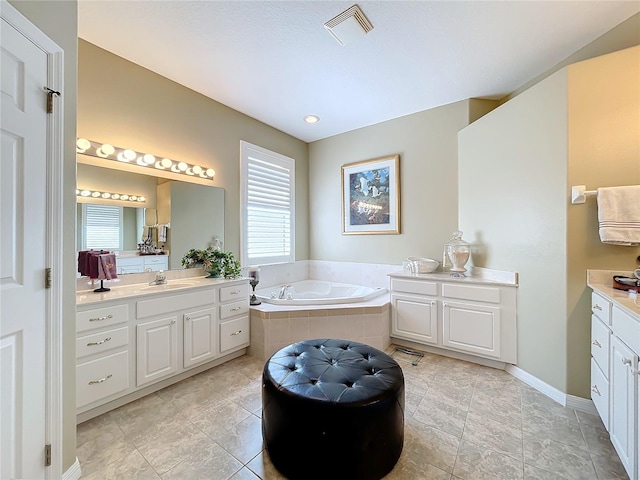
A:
458	252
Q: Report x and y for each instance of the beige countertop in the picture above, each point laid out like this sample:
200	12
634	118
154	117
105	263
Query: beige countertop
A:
601	281
125	292
475	276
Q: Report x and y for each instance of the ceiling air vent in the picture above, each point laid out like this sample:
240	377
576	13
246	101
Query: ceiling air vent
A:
349	25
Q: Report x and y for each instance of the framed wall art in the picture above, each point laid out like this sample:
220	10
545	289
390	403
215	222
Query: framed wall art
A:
371	196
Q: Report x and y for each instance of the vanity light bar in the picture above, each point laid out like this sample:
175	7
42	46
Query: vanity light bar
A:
118	154
109	196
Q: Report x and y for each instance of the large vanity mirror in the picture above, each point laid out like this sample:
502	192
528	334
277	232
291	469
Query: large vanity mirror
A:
175	215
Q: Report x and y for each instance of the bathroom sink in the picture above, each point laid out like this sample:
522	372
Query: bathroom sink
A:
167	286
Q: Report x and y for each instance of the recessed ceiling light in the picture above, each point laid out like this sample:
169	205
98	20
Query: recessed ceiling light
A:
311	118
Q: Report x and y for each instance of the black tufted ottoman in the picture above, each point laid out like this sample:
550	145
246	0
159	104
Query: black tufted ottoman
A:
332	409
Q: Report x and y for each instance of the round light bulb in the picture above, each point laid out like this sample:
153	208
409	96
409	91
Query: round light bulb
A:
148	159
133	198
82	144
107	149
159	166
141	199
77	192
166	163
85	193
124	197
197	169
182	166
106	195
189	171
211	172
115	196
129	154
95	194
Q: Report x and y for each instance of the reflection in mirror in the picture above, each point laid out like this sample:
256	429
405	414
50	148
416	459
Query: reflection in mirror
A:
193	213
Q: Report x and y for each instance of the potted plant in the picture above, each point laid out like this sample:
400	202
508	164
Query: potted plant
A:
216	262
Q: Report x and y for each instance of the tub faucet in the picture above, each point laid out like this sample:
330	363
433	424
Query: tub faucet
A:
283	291
161	278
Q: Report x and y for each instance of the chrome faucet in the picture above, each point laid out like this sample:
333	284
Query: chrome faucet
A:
161	278
283	290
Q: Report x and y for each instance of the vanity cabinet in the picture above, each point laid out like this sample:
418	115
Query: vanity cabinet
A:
200	336
142	263
615	386
157	349
600	351
414	310
476	319
102	353
151	340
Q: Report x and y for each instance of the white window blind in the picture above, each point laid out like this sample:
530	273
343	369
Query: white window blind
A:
267	206
102	227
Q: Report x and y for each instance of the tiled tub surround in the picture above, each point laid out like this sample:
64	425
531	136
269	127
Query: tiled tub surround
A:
274	327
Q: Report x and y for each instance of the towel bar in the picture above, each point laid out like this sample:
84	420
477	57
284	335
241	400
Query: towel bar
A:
579	194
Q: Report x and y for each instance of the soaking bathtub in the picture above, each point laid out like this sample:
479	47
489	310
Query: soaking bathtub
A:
318	292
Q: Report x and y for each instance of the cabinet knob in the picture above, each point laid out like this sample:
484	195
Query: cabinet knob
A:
173	321
597	307
187	317
595	390
596	343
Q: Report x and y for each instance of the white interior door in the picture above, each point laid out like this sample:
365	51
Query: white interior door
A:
23	190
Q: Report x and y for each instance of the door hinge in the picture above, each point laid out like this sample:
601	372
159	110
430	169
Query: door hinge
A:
47	455
47	277
50	94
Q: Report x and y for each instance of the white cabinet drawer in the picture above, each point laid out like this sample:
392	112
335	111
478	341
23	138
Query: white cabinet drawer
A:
173	303
600	393
468	292
234	309
101	342
234	334
414	286
101	317
600	339
601	307
234	292
154	260
98	379
626	328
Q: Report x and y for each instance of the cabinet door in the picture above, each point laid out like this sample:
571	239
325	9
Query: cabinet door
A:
415	318
200	336
622	418
157	355
471	328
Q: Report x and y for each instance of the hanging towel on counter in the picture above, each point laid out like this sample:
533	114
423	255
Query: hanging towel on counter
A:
97	264
107	266
619	215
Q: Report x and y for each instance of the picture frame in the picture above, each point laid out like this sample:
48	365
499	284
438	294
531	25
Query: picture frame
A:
371	197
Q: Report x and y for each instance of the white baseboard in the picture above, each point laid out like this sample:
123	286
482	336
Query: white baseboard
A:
74	472
577	403
552	392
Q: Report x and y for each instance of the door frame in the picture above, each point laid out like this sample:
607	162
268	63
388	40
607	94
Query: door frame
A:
54	234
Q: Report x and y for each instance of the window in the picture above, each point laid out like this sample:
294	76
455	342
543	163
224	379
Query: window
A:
102	227
267	206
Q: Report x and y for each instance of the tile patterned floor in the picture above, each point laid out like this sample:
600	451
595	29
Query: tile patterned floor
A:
462	421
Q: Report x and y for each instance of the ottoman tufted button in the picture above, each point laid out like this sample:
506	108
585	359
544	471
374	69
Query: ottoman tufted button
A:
316	413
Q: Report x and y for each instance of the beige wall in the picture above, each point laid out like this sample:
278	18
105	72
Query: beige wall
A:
58	19
512	204
517	165
126	105
604	150
427	144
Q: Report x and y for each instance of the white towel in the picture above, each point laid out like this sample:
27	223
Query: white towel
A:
619	215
